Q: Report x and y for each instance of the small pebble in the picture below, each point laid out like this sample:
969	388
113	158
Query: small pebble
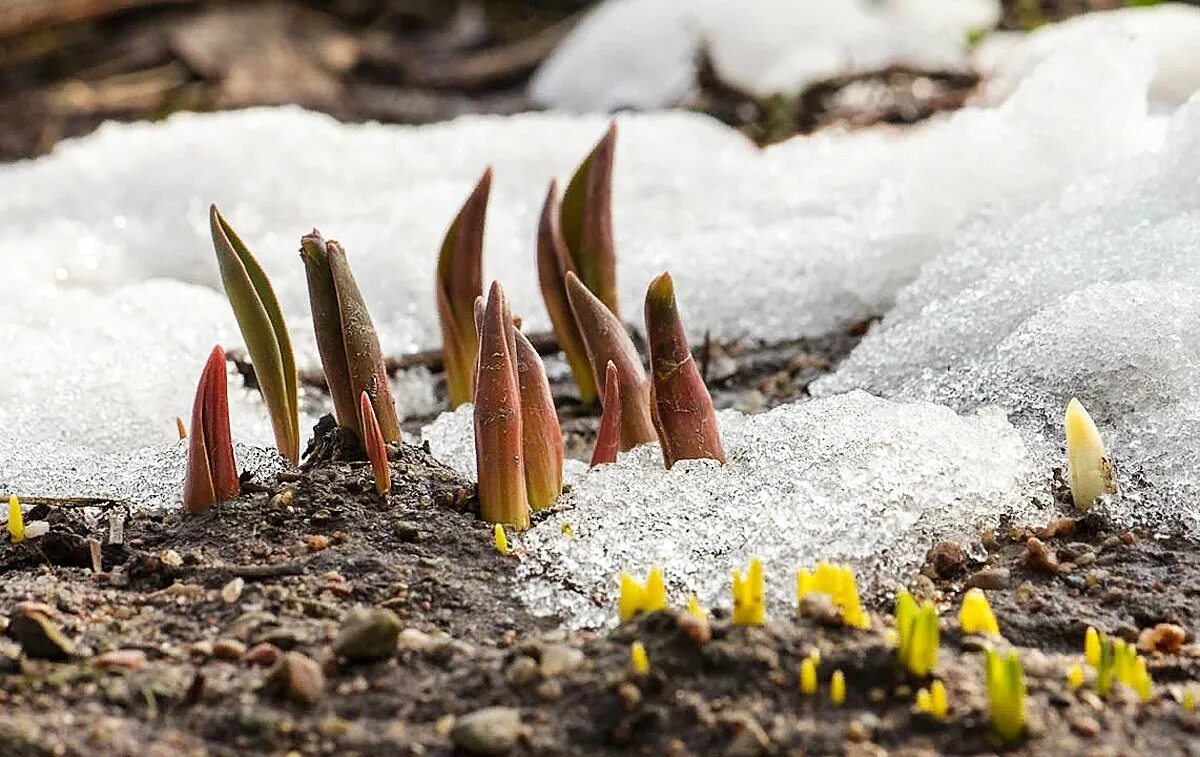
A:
629	695
367	635
121	659
1164	637
489	731
947	559
232	591
521	671
411	638
990	578
263	654
171	558
560	658
1039	557
228	649
297	679
550	691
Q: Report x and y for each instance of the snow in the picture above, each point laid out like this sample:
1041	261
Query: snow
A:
644	53
853	478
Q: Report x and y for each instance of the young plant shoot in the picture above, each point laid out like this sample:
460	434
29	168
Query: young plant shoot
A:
586	221
372	441
541	436
1089	470
211	472
608	438
459	282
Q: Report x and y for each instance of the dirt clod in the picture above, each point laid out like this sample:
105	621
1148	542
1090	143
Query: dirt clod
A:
39	636
947	559
1039	557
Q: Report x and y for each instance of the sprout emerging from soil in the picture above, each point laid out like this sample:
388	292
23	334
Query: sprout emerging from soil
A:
637	598
1120	662
808	676
500	540
346	338
749	596
976	614
586	221
639	658
16	520
553	263
694	609
1075	677
919	634
1089	470
933	701
375	447
608	438
541	436
838	583
264	331
459	282
180	428
1189	699
499	446
680	405
608	341
1006	695
211	472
1091	647
837	688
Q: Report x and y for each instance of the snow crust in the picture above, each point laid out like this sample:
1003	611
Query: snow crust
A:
644	53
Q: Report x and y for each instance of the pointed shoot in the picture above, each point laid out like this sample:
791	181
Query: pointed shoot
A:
264	331
608	439
541	436
586	221
373	443
211	472
1088	468
459	282
682	408
553	262
16	520
498	428
608	341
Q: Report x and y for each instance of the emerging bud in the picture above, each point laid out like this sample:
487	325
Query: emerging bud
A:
586	221
346	338
976	614
681	407
498	425
933	701
1075	677
808	676
749	596
180	428
837	688
1088	467
553	262
837	582
608	341
459	282
608	438
919	634
211	472
16	520
541	436
500	540
1091	647
373	443
264	331
1006	695
638	658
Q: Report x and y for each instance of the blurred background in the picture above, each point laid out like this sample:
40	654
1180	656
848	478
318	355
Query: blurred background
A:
68	65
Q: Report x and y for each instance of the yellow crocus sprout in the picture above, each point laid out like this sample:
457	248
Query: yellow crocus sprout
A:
1120	662
637	656
638	598
16	520
837	688
749	596
1075	677
568	531
1091	647
808	676
500	539
919	634
694	608
933	701
976	615
838	582
1189	699
1006	695
1089	471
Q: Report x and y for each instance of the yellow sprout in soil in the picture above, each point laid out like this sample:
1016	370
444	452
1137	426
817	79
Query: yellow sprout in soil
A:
638	598
694	608
837	688
1189	699
1091	647
1075	677
976	615
567	531
749	596
1006	695
1120	663
1089	471
838	582
16	520
637	656
500	539
808	677
919	634
933	701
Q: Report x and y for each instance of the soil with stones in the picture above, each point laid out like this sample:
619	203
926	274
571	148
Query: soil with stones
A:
313	617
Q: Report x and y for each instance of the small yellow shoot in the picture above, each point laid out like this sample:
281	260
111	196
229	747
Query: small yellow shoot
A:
568	531
1006	695
637	598
749	596
500	539
1091	647
694	608
808	677
976	615
838	582
919	634
1119	662
1075	677
1189	699
16	520
639	658
1089	471
933	701
837	688
180	428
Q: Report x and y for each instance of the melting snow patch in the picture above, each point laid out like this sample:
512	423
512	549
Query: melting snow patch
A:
851	478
